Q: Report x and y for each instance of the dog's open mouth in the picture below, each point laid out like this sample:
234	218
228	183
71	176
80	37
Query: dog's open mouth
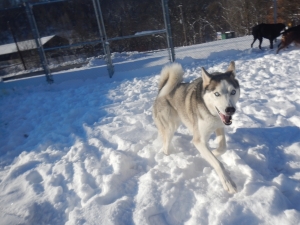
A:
227	120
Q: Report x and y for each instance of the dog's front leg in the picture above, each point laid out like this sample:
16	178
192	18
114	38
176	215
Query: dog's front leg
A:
220	139
226	181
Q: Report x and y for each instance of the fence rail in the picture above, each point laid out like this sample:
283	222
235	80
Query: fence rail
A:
103	39
93	41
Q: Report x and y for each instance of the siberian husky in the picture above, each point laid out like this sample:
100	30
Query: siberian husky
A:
203	106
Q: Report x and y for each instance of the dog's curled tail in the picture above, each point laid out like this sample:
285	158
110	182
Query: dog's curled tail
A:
170	76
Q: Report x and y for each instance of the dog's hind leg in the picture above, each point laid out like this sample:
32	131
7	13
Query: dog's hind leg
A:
254	39
280	49
271	43
260	41
279	44
167	136
226	181
167	122
284	44
220	139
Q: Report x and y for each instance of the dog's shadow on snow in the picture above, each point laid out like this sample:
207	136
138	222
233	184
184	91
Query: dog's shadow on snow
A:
267	150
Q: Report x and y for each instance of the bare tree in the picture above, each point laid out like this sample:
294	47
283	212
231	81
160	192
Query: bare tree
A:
242	15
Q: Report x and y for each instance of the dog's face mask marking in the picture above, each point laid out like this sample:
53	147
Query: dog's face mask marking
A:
225	97
221	93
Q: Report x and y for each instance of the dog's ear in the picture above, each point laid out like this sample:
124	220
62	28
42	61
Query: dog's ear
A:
205	77
232	68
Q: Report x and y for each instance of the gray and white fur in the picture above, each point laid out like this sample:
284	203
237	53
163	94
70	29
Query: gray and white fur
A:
204	106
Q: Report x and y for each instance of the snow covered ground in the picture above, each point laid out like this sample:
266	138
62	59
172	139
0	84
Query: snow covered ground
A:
86	151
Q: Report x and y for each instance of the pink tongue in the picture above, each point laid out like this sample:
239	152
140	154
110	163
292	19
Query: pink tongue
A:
226	119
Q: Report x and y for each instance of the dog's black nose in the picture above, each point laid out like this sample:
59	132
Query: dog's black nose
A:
230	110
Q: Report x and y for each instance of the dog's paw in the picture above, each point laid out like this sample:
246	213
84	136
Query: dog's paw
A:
165	151
229	185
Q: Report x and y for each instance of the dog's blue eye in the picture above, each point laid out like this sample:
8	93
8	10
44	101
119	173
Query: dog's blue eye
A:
217	94
233	92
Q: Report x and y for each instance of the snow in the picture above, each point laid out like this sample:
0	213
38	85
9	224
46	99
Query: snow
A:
86	151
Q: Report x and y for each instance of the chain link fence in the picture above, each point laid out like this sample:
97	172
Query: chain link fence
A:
49	36
74	38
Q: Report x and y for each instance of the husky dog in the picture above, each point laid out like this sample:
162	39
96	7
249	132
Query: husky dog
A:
203	106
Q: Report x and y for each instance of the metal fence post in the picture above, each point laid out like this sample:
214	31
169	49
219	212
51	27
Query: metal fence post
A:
38	42
16	43
103	37
168	27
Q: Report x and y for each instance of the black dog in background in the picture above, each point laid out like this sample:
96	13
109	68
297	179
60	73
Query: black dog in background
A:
268	31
